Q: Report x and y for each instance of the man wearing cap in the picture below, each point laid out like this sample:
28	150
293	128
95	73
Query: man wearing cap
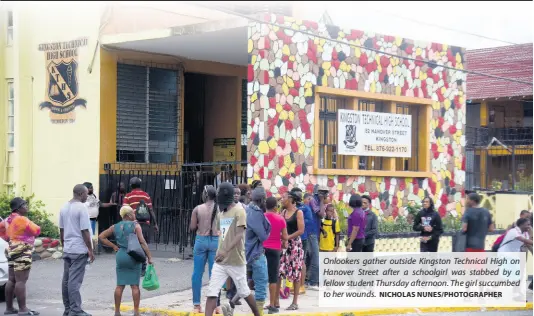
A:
318	207
138	198
230	258
258	230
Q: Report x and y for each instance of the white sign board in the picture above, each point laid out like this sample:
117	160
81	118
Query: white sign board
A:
374	134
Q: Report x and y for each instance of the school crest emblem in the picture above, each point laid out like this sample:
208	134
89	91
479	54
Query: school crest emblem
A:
62	82
350	136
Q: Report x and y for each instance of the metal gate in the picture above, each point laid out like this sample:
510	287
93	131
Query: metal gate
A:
175	192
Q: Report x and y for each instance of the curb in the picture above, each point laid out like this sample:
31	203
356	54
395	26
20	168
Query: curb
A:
382	311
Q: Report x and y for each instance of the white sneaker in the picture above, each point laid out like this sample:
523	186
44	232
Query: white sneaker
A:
227	310
313	288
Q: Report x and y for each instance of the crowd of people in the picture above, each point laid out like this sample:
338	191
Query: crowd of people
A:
251	242
254	242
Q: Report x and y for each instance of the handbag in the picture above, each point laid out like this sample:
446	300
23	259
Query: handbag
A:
134	247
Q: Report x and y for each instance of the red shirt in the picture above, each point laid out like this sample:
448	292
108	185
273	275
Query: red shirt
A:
278	223
133	198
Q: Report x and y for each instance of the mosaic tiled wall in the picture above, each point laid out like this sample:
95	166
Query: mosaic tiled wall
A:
286	65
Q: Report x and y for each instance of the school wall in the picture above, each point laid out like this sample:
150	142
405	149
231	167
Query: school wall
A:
288	66
55	151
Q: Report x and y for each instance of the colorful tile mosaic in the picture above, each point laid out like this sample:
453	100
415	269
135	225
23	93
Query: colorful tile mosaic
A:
284	68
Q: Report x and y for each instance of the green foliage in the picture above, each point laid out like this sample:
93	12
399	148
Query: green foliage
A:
524	183
397	225
342	208
36	214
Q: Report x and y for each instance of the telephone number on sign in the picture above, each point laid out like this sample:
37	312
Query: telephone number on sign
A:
387	149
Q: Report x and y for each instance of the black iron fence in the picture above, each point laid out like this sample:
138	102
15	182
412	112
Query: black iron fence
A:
175	192
499	159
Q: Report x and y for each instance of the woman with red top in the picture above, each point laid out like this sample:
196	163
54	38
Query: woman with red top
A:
273	250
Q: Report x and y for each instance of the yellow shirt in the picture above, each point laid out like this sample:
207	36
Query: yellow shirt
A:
327	241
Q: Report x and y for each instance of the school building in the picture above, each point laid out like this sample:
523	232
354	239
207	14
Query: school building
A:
126	89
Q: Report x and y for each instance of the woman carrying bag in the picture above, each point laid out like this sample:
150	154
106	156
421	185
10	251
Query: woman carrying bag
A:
128	266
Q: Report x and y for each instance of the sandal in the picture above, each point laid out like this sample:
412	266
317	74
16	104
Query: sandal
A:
12	312
269	306
29	313
292	307
197	309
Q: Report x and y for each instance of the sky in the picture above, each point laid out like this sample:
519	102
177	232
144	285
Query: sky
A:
507	23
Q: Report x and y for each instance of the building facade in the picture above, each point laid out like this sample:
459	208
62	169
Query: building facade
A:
111	94
499	129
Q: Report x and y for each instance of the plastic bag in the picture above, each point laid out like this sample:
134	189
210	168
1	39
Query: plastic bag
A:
150	282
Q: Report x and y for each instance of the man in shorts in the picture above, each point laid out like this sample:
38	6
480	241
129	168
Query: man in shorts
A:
230	258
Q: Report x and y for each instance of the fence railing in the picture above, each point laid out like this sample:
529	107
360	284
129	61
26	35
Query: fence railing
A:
175	192
483	136
499	159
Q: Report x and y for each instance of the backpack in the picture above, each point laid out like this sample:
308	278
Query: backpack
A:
333	226
498	242
142	213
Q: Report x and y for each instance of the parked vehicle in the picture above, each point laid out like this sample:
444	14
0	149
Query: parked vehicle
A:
3	268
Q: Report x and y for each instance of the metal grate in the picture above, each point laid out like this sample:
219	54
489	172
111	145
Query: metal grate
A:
410	164
148	113
371	163
328	157
244	119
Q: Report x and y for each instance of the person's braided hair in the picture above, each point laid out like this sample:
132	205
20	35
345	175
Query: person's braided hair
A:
211	194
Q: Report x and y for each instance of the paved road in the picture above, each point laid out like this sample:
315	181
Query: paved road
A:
507	313
44	285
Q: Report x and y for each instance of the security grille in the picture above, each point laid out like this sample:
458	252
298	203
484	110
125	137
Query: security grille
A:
244	119
148	113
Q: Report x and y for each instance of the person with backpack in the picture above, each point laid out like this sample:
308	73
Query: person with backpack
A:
330	231
204	221
141	202
514	241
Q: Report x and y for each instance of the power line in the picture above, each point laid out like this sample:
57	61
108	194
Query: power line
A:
361	47
444	27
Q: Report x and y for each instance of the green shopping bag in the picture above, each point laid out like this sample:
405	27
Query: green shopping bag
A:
150	282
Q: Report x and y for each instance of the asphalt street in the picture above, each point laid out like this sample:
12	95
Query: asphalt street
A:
44	285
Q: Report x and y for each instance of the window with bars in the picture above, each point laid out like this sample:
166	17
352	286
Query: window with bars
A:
9	28
409	164
244	119
371	163
148	112
326	159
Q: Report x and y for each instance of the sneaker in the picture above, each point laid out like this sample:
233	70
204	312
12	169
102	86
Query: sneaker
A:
227	310
82	313
313	288
273	310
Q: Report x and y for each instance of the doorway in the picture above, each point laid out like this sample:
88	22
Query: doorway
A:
194	109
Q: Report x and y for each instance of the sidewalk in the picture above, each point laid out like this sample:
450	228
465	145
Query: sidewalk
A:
180	304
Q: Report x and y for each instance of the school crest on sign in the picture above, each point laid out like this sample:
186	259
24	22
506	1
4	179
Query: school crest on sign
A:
62	81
